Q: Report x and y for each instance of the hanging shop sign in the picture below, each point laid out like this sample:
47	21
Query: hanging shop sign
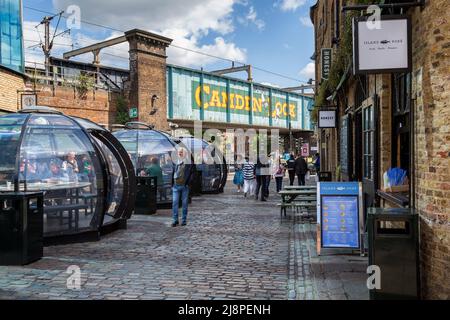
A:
382	46
327	118
326	62
305	150
339	215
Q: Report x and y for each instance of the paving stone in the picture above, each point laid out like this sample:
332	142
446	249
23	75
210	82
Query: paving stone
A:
232	248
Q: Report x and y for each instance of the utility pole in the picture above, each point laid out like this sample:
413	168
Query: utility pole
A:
47	46
48	43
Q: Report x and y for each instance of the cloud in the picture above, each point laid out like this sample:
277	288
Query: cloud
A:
306	21
309	71
187	22
270	84
290	5
252	17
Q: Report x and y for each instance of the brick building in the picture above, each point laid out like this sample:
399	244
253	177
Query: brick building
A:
11	84
393	120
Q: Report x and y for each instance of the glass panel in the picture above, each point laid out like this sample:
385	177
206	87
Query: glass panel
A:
57	157
11	48
208	160
151	152
10	130
115	192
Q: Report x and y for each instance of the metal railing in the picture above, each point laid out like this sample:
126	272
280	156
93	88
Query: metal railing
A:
59	76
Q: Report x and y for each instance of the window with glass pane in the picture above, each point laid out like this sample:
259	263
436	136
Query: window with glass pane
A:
401	86
10	131
57	157
369	143
11	44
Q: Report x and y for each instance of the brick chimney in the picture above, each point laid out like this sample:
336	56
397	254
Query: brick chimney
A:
148	77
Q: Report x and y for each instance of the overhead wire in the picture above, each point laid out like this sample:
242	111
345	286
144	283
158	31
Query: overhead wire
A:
176	46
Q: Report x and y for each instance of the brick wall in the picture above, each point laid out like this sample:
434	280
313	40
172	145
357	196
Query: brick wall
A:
431	96
10	83
148	76
323	16
99	105
431	86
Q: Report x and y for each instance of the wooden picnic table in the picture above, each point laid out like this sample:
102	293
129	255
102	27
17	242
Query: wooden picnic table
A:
288	196
307	199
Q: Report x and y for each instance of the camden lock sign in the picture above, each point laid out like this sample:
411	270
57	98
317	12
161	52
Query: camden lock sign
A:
215	98
382	46
326	62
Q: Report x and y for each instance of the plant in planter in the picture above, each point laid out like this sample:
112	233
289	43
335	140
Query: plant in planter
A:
84	83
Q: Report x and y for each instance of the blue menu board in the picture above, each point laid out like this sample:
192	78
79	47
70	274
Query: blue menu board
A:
340	223
339	215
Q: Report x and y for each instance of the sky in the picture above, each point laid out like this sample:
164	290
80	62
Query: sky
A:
273	35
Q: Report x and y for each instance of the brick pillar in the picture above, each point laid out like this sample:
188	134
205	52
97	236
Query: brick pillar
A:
148	76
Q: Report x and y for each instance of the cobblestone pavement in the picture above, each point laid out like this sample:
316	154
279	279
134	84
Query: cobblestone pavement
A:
232	248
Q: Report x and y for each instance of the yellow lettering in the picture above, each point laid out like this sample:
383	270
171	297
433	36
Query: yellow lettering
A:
257	105
247	103
232	101
215	100
207	90
224	99
284	109
277	112
240	102
197	96
292	111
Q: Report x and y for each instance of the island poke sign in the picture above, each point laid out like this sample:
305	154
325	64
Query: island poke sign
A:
382	49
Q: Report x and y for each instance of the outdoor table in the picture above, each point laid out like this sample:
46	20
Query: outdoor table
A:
300	187
46	186
307	199
73	193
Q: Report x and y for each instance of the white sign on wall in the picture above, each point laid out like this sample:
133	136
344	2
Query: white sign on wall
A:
327	118
386	49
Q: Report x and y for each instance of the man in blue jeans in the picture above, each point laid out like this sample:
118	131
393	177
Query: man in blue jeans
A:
182	175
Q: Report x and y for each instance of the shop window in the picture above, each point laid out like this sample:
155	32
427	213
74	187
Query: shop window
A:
401	96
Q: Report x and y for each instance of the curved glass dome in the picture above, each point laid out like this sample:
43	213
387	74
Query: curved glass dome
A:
209	162
84	172
150	152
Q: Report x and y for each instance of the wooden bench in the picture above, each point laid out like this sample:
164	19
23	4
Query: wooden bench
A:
71	209
296	205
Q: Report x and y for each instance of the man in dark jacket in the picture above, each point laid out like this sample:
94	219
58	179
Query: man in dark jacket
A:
183	172
291	169
301	168
262	175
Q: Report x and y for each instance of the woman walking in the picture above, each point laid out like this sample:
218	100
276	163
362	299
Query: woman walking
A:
279	175
238	179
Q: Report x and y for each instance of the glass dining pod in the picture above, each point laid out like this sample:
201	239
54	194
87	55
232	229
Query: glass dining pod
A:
210	162
151	152
84	172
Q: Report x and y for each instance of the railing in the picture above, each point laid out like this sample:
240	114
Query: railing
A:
58	76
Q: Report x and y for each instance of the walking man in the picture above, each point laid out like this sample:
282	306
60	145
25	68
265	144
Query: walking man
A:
248	171
291	169
262	174
301	168
182	175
